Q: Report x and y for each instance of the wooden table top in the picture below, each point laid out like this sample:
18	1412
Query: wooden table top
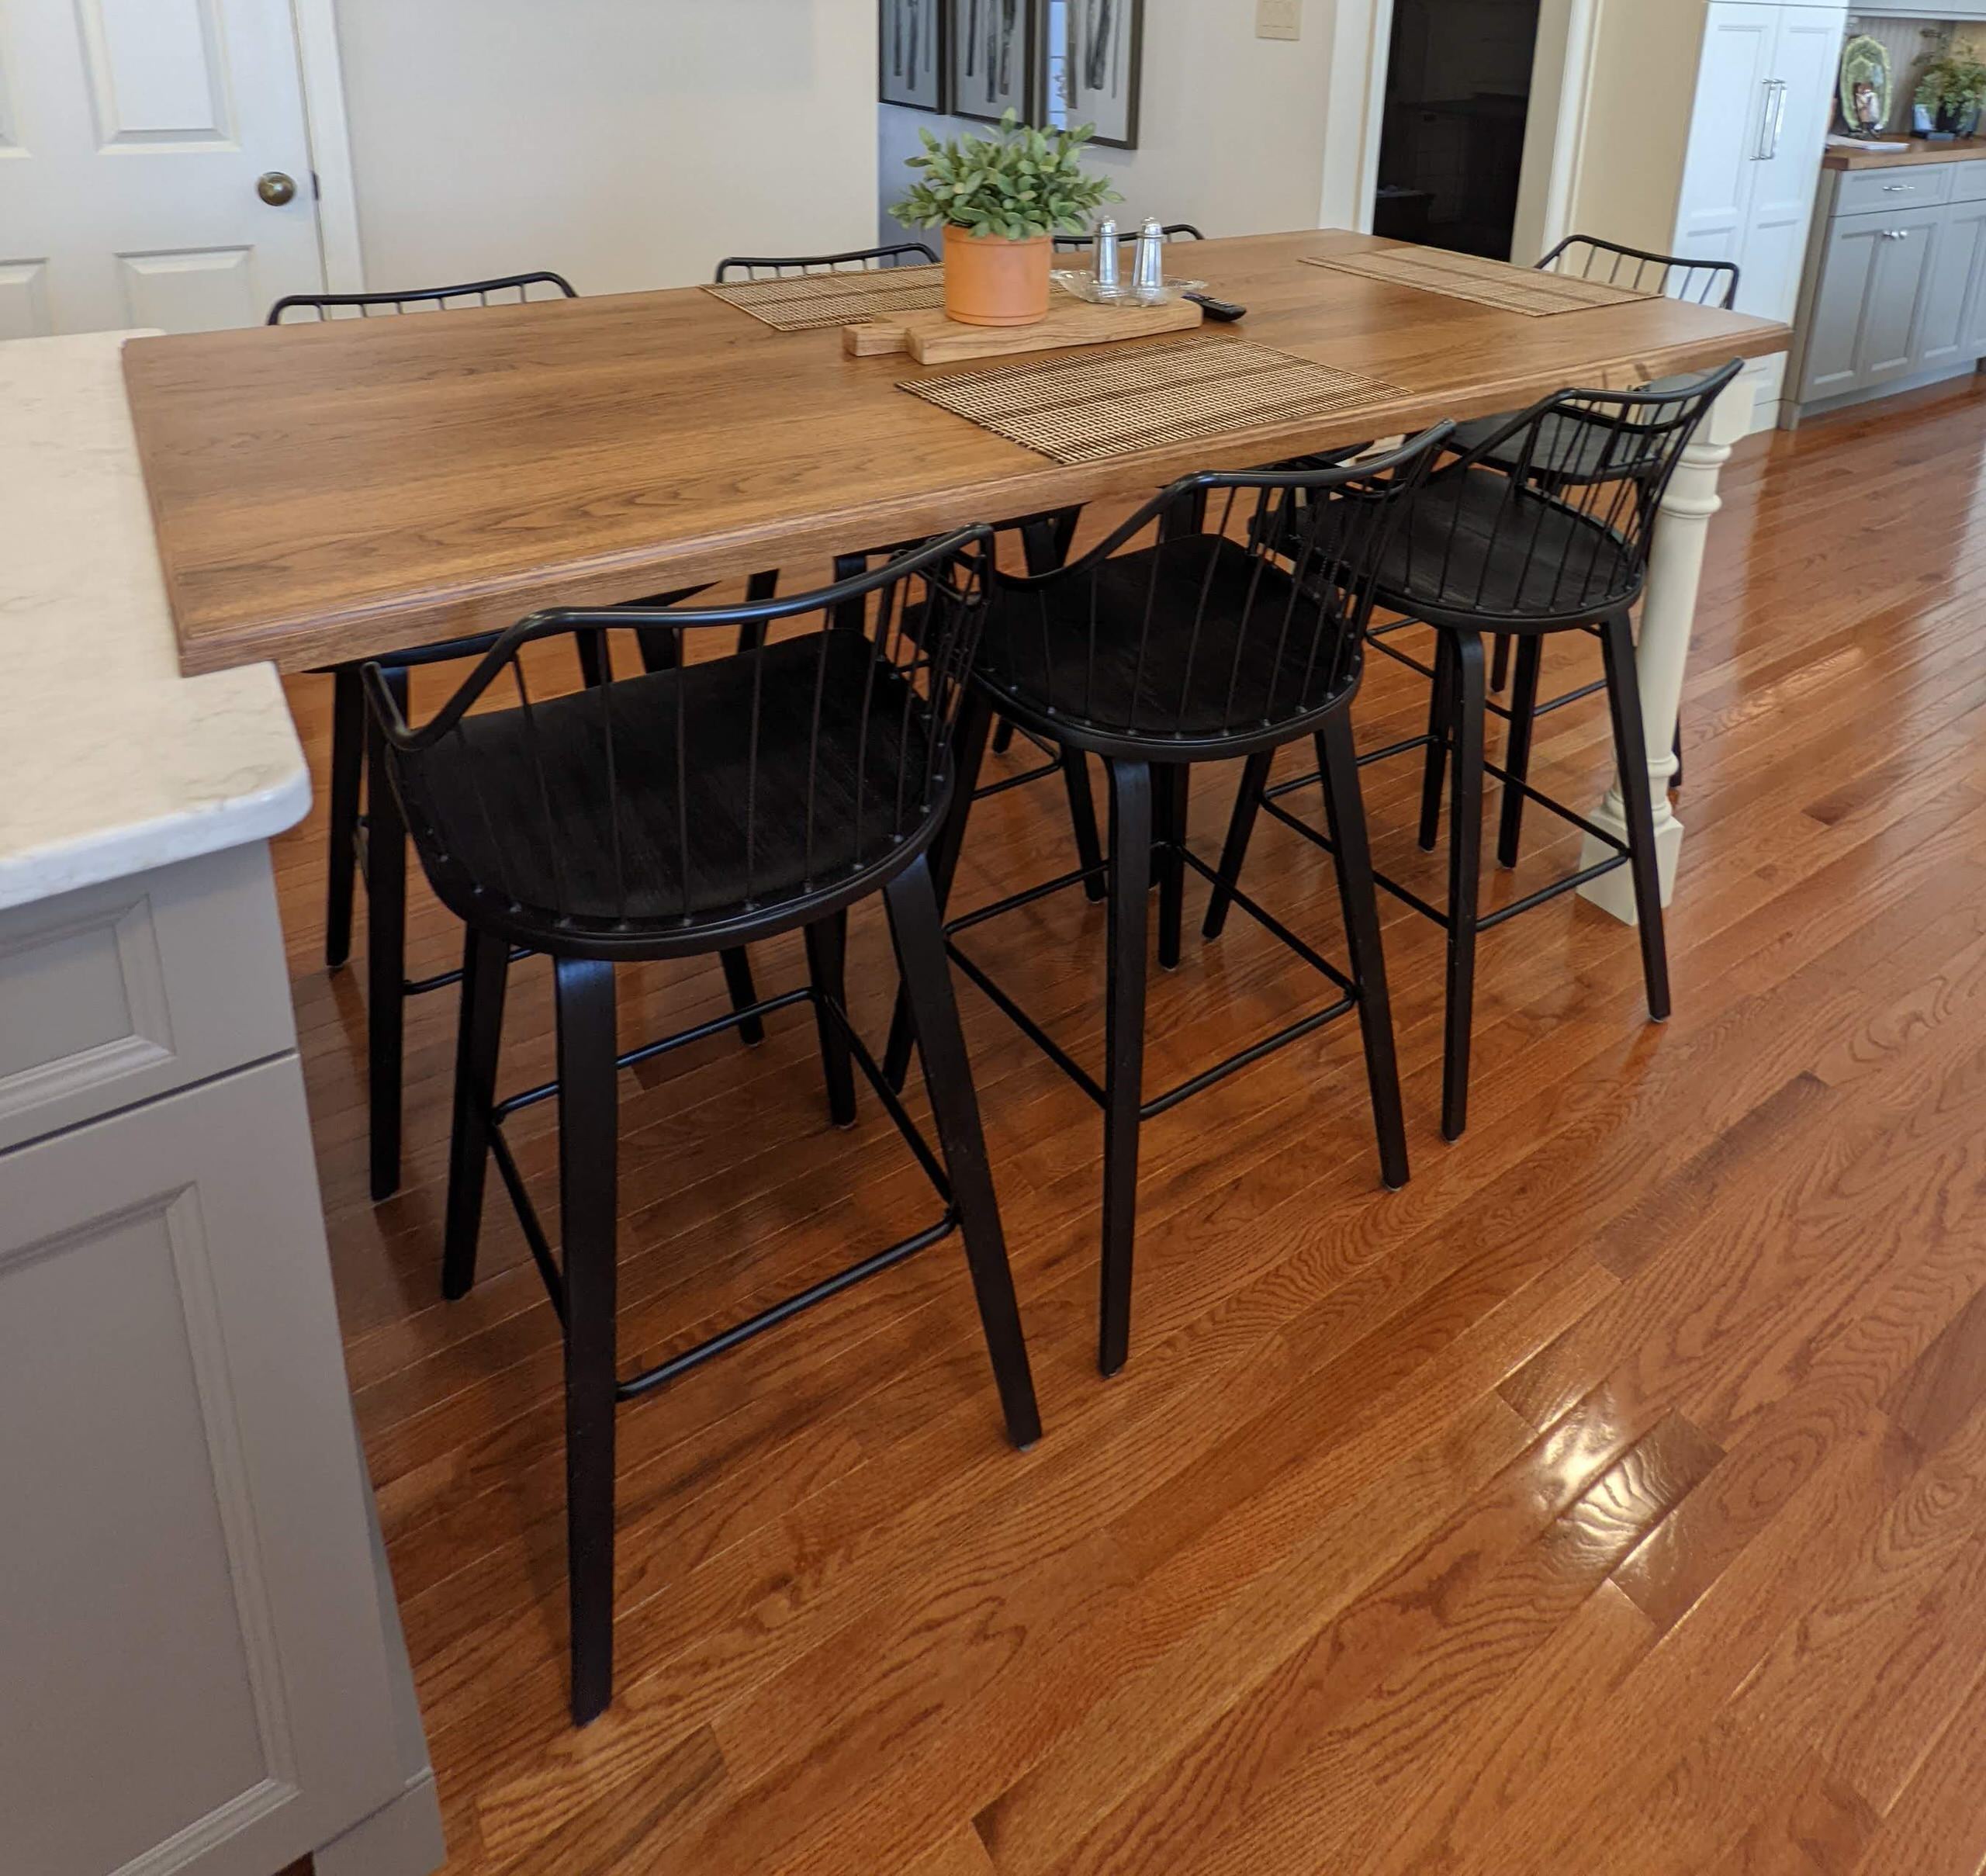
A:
1957	149
328	492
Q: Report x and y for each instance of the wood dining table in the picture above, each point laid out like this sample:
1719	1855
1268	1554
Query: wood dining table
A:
325	493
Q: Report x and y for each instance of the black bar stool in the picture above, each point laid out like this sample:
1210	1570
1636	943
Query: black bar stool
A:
1586	257
1199	647
359	850
696	809
1485	549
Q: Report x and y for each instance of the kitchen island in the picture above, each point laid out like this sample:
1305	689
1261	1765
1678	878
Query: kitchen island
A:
204	1671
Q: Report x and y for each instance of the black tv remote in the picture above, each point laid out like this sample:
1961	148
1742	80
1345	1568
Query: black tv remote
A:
1224	311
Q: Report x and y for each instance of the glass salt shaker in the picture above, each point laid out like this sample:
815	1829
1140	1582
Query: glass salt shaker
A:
1108	270
1148	275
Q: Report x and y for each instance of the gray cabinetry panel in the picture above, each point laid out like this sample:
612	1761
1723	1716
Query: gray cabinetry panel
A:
195	1661
1873	191
1863	321
1949	329
118	992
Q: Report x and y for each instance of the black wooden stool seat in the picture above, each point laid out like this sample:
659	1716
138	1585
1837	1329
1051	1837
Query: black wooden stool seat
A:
710	803
1561	452
1482	542
1198	647
695	834
1164	640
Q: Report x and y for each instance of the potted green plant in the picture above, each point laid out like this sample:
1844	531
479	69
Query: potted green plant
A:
1000	199
1951	92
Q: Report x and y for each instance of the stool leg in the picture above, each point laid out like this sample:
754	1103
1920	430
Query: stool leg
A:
589	1125
347	772
478	1041
1624	700
969	752
660	648
1523	722
744	992
386	956
1675	776
759	588
1464	873
1170	787
1241	831
1344	809
1003	738
917	928
1440	704
1500	666
827	957
1124	1048
1082	820
596	660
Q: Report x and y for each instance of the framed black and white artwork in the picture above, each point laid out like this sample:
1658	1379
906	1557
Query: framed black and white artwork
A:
991	56
913	54
1093	64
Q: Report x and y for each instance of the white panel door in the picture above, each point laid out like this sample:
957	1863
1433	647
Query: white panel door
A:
1728	130
1800	100
133	135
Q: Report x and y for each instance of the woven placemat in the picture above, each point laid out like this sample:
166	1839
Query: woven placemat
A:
1489	283
1111	403
807	301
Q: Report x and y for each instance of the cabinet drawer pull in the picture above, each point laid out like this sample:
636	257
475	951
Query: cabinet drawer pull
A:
1899	188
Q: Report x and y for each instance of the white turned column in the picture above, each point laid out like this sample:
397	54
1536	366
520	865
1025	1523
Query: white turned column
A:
1669	614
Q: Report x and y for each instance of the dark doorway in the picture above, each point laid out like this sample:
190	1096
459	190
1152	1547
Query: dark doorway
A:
1451	142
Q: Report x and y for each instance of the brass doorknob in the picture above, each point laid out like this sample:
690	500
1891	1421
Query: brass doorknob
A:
276	189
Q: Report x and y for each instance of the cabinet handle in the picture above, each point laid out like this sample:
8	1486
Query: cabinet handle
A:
1896	234
1763	153
1899	188
1778	118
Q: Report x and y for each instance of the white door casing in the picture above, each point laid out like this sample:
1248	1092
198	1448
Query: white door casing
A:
133	133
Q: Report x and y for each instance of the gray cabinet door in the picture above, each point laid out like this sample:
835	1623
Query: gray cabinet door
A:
1968	223
1864	323
196	1671
1954	305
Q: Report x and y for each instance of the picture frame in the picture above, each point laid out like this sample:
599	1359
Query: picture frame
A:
1092	67
992	46
913	64
1866	92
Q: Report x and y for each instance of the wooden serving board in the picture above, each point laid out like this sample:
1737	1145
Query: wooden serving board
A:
931	339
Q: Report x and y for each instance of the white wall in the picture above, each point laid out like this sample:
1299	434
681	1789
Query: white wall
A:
1233	131
628	144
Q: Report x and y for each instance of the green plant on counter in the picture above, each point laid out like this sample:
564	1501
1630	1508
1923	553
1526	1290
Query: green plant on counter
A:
1953	88
1016	185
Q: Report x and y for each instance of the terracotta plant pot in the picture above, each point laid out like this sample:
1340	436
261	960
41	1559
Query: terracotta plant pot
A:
989	282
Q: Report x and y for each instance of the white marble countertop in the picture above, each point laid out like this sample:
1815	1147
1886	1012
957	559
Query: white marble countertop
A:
111	763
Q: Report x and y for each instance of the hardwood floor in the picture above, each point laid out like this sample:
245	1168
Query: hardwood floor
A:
1612	1501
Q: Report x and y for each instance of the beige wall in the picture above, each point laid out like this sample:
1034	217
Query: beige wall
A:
629	143
1629	163
1233	131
